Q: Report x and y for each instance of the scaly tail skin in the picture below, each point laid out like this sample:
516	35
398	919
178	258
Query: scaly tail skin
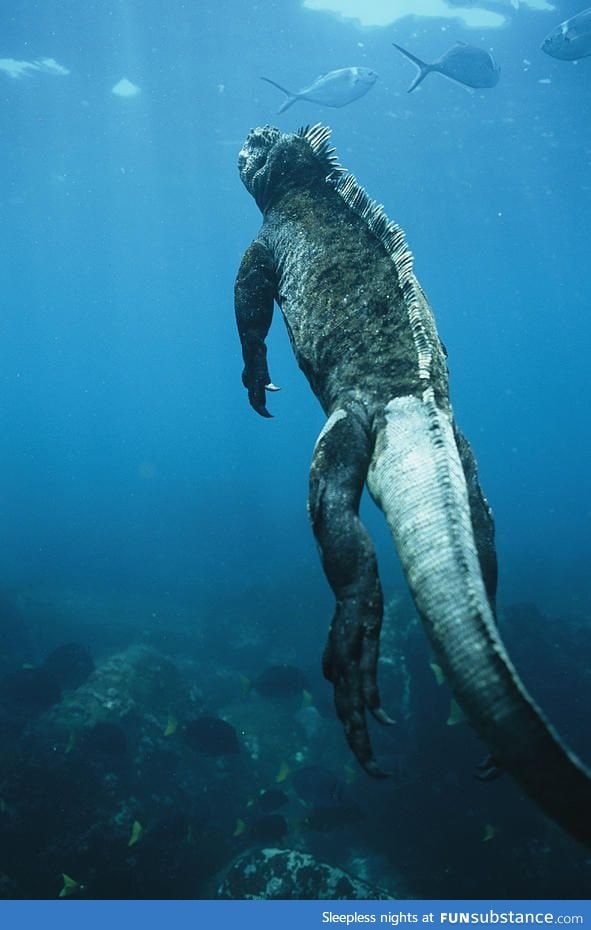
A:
424	68
416	477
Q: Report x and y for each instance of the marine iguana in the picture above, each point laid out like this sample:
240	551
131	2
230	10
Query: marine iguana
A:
365	337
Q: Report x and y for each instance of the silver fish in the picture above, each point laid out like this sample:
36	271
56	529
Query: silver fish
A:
333	89
465	64
571	39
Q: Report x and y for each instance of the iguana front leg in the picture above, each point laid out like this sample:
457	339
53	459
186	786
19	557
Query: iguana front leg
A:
253	301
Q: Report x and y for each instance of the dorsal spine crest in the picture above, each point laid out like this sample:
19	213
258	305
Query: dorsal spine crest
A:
318	138
378	222
393	240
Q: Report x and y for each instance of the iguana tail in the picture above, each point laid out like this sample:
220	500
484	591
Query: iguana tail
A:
417	479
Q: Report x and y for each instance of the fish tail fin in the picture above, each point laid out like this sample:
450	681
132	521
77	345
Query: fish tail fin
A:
291	98
423	74
424	68
287	103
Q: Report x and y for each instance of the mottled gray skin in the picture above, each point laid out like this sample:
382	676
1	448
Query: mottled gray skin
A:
364	335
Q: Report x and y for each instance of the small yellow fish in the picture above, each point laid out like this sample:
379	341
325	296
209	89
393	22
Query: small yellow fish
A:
437	671
136	832
3	807
70	886
171	726
456	714
27	666
489	832
239	828
282	773
307	698
72	735
245	685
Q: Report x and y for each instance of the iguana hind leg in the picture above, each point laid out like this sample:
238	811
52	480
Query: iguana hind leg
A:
339	469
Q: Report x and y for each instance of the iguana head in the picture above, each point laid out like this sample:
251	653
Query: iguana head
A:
272	162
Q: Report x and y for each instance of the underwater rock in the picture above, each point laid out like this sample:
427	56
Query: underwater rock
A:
70	664
104	740
212	736
287	874
135	684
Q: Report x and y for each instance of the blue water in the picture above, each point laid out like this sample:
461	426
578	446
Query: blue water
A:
133	469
